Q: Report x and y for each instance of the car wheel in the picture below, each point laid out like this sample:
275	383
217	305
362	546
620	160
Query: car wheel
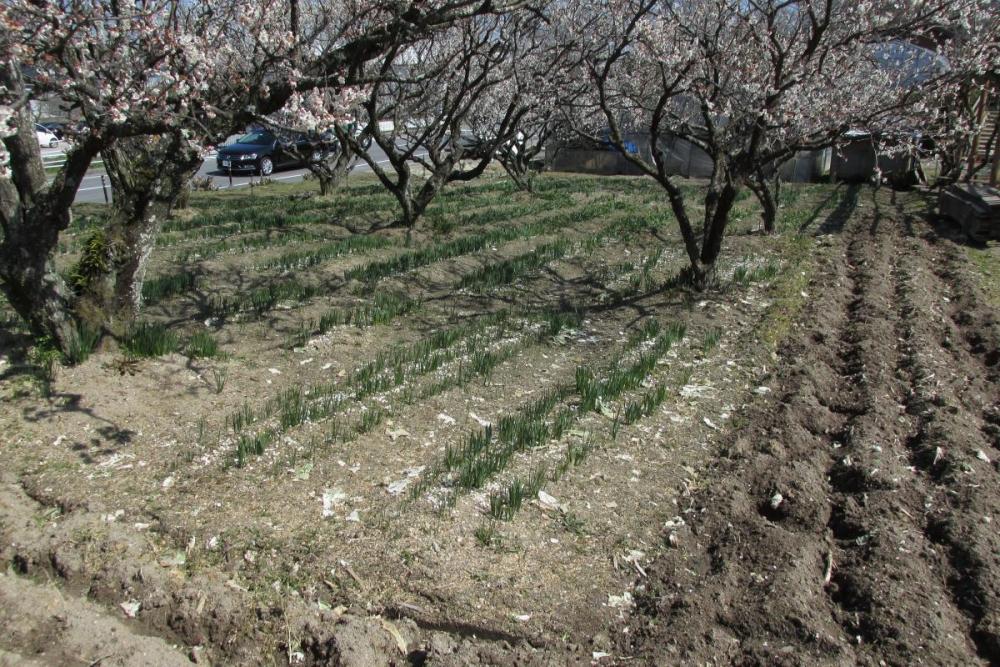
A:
265	166
54	143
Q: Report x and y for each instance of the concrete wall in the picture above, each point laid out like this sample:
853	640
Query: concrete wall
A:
682	158
607	163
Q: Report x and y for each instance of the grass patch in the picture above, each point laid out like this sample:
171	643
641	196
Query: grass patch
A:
162	287
81	345
987	263
262	299
147	339
304	259
202	345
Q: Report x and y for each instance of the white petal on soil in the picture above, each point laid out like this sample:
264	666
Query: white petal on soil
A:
354	516
274	371
306	361
620	601
776	501
398	486
708	423
332	498
676	522
548	502
327	366
447	419
115	459
131	608
168	482
634	556
981	455
761	390
174	560
522	618
695	390
480	420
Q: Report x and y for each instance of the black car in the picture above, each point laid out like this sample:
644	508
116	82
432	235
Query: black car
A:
58	129
263	151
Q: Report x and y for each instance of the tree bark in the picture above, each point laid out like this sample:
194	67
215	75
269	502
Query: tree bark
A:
767	194
327	183
32	215
520	171
148	175
719	202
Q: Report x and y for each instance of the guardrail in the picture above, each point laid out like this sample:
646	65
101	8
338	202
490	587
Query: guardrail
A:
55	160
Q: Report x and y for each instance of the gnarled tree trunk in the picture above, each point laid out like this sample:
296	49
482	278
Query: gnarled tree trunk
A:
767	191
148	175
719	200
32	215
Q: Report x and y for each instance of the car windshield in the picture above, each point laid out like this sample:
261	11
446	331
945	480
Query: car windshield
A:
256	138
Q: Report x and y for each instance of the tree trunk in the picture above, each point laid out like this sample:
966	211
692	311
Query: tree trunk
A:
718	203
34	287
676	197
330	167
148	175
326	183
32	215
767	194
522	175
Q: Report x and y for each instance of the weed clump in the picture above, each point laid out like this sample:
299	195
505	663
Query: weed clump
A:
146	339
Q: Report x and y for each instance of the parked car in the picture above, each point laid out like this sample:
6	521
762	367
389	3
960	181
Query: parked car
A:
262	151
56	128
46	138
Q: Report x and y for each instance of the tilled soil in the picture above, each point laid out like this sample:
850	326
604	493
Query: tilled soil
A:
852	521
844	515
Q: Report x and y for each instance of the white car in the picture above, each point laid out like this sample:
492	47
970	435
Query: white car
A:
46	138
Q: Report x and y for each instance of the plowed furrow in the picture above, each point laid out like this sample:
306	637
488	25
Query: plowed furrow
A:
851	521
952	400
875	514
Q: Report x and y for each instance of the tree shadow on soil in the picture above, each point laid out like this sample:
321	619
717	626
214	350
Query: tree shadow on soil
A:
581	296
107	440
834	222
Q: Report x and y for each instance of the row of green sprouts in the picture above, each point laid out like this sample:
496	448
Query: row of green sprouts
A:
487	452
507	271
401	376
261	300
595	394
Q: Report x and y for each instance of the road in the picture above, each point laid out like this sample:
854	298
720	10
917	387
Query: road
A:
92	191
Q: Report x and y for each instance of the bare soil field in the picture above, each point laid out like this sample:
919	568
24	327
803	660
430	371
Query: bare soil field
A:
516	439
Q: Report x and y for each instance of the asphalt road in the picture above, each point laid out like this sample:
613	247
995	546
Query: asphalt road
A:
92	191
